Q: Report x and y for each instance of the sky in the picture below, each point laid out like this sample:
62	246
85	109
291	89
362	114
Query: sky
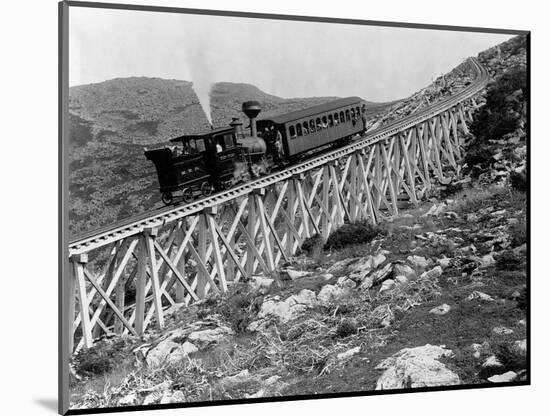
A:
284	58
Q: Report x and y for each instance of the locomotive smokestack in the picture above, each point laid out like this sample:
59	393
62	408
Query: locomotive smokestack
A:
252	109
237	126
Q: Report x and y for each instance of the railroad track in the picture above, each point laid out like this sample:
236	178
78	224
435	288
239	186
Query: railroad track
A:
135	225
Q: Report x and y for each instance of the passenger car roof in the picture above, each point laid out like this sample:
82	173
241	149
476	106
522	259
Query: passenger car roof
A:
206	133
311	111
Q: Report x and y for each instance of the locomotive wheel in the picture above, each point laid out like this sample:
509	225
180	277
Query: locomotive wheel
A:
206	188
187	194
167	198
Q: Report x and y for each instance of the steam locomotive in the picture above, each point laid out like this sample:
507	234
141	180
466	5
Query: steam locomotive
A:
217	159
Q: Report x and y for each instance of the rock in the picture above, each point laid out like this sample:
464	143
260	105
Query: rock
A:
260	283
153	398
330	294
522	322
416	367
382	274
520	347
387	285
493	363
177	397
208	336
434	273
272	380
365	265
487	260
290	274
258	394
290	308
440	310
129	400
434	210
503	378
476	294
326	276
367	283
340	266
480	348
451	215
231	381
348	354
401	280
418	262
345	283
515	295
404	270
169	351
501	330
444	262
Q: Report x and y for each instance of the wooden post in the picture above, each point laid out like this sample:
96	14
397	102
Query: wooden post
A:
201	250
179	289
71	286
210	213
258	193
251	229
291	213
78	262
327	220
141	277
120	294
150	235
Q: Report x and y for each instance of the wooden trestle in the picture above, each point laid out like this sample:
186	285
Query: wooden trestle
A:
134	278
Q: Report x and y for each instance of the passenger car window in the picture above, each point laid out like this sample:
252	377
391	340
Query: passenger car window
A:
311	126
348	118
330	120
299	129
292	131
306	128
342	119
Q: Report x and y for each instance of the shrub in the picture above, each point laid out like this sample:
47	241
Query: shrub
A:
312	245
354	233
504	107
102	357
519	181
346	327
508	260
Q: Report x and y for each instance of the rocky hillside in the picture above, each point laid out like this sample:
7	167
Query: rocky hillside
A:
110	123
433	297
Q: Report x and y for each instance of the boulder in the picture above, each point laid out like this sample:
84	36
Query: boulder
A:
128	400
341	266
440	310
503	378
208	336
260	283
382	274
434	273
416	367
418	262
239	378
330	294
291	274
387	285
290	308
487	260
520	347
476	294
404	270
348	354
400	280
501	330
